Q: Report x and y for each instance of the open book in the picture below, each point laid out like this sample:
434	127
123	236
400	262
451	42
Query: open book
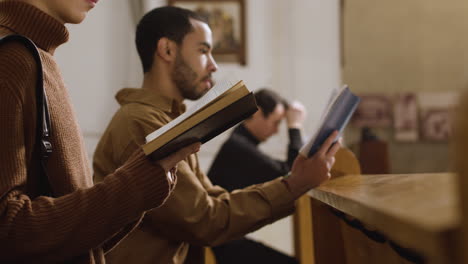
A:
339	110
218	110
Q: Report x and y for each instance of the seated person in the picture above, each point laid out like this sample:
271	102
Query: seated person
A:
242	146
174	45
257	167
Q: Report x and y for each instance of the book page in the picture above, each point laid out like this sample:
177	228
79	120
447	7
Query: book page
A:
217	91
305	150
333	96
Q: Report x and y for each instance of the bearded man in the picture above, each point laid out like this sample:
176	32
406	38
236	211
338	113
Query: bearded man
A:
174	46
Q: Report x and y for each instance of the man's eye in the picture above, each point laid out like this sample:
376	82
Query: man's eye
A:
204	51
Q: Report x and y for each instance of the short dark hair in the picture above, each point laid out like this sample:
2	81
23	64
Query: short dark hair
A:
168	21
268	99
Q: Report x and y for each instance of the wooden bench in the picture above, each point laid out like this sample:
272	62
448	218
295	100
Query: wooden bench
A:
414	216
306	217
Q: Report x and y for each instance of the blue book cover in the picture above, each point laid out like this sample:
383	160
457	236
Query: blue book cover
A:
338	113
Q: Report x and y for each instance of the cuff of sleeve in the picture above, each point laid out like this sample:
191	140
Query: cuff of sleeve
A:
280	198
295	138
150	180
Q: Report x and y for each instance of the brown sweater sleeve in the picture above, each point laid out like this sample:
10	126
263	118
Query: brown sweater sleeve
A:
55	229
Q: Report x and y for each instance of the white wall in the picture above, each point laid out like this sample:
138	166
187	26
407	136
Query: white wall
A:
293	47
99	59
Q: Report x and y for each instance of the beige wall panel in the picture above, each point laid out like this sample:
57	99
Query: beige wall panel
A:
400	45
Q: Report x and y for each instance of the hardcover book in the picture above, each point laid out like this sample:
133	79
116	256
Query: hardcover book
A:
339	110
218	110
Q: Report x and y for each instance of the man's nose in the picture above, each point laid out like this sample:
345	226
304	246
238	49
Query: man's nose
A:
212	64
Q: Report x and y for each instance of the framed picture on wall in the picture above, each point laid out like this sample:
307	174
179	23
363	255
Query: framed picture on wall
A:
436	124
406	119
375	110
436	112
227	22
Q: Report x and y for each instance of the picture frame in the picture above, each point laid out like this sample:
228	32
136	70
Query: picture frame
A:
436	115
227	22
406	117
374	110
436	124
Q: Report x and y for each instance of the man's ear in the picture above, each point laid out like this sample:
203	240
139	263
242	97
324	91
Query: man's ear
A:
166	49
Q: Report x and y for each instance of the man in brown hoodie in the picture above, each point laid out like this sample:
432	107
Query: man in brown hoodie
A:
175	45
81	222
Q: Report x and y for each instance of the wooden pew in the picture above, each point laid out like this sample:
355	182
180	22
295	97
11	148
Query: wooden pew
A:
304	224
416	215
391	218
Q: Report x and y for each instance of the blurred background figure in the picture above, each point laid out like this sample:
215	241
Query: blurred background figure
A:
240	163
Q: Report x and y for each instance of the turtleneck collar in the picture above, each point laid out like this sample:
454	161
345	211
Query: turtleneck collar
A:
27	20
243	131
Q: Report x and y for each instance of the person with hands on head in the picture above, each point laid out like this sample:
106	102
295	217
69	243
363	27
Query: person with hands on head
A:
81	222
242	147
175	45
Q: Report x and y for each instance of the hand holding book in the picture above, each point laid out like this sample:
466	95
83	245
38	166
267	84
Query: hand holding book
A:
308	173
312	166
339	111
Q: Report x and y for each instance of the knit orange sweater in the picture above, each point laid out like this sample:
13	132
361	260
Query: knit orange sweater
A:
79	225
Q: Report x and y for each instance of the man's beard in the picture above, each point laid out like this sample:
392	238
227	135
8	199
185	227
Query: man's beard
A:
185	78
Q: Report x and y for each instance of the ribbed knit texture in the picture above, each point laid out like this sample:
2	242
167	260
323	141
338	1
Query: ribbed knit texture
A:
75	227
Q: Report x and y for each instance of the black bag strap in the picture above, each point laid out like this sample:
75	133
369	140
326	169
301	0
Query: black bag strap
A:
43	118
